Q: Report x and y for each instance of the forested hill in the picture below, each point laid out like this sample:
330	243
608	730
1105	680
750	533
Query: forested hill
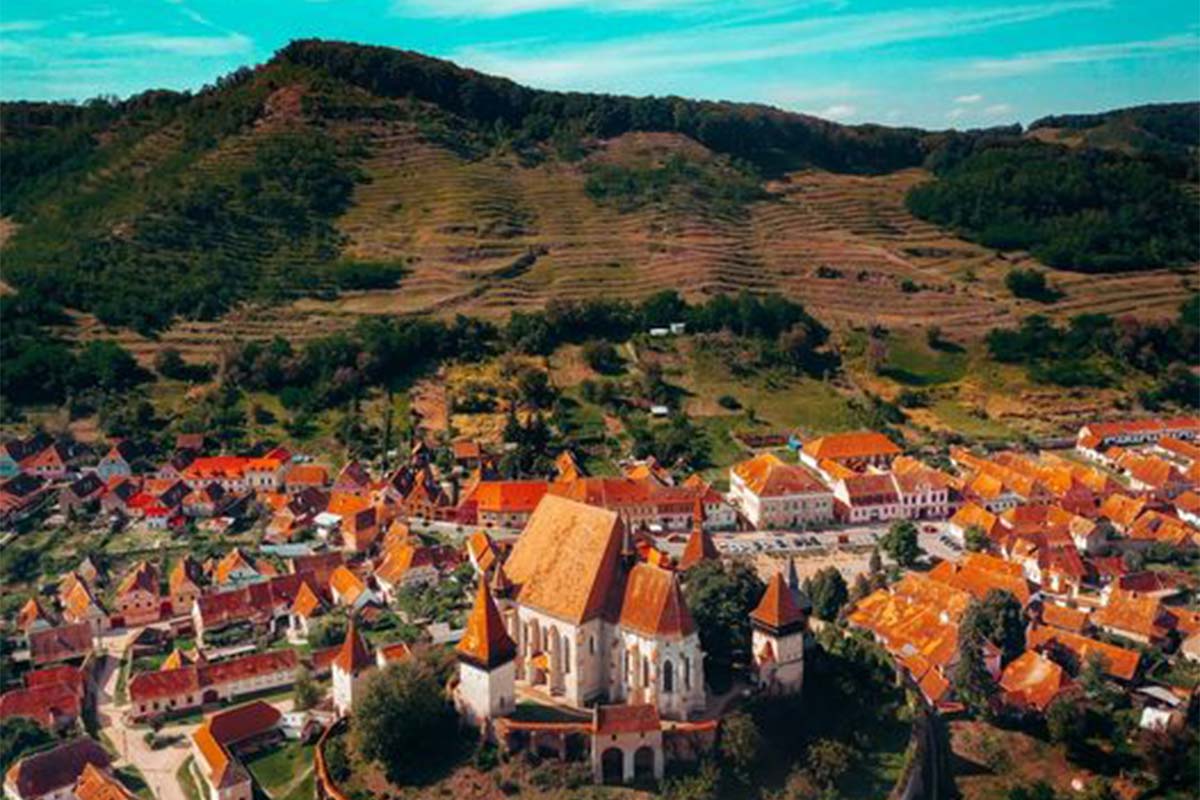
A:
337	167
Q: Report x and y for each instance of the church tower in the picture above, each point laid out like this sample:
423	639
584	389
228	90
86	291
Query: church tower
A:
777	638
350	668
700	546
486	663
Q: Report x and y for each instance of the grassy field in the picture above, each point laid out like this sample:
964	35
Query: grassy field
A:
280	771
187	781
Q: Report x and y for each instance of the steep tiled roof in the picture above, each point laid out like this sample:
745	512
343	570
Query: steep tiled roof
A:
185	574
861	444
1119	662
776	610
700	546
32	612
485	642
871	489
234	561
767	475
143	577
44	704
307	603
980	573
58	767
566	559
1129	613
348	586
306	475
162	683
265	663
1068	619
653	604
96	784
225	728
1033	681
1121	509
61	643
972	515
354	655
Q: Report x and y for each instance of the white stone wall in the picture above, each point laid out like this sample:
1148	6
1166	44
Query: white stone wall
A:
485	694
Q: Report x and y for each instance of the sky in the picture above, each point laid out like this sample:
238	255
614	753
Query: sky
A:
931	63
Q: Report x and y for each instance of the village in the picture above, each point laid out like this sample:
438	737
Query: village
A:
245	607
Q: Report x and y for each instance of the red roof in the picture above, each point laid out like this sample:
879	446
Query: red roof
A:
777	609
354	655
486	643
61	643
45	704
54	769
641	718
654	604
700	547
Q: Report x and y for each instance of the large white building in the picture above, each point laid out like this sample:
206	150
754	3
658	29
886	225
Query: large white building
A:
773	494
587	622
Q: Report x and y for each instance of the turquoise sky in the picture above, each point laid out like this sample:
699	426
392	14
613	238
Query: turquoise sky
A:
934	64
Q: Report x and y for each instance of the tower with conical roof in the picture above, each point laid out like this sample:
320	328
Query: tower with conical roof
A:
486	663
350	668
777	638
700	546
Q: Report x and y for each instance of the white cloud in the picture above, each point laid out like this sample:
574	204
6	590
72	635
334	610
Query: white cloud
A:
997	110
799	95
21	25
837	111
968	98
711	45
1027	63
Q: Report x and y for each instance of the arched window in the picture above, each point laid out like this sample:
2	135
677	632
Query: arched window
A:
566	654
591	645
687	673
645	671
668	676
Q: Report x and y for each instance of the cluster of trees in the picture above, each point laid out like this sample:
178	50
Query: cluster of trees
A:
771	139
1030	284
1086	210
1093	349
997	619
719	186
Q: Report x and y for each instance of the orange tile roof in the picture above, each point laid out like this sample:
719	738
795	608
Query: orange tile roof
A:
401	558
347	505
1033	681
1156	526
862	444
509	496
143	577
32	612
1069	619
776	609
1188	501
225	728
354	655
95	784
654	604
485	642
980	573
972	515
307	603
176	660
396	651
46	704
1132	614
565	560
618	719
346	584
482	550
1121	509
767	475
185	574
306	475
234	561
700	546
1119	662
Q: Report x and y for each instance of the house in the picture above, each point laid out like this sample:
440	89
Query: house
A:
51	463
1139	619
260	605
855	451
1121	510
719	513
406	565
867	498
118	461
1099	436
627	743
80	605
980	573
56	707
350	590
1187	506
302	477
96	784
1154	526
1031	682
33	616
170	691
138	596
184	584
971	515
226	735
350	668
21	496
641	504
82	495
468	454
52	774
505	504
773	494
235	567
1119	663
307	606
1072	620
353	479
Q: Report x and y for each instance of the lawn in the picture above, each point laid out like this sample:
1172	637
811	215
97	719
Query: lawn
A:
277	770
911	361
957	417
187	781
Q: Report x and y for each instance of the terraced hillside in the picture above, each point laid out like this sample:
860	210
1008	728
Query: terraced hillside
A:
475	194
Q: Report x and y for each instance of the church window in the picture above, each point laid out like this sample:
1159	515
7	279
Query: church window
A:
668	676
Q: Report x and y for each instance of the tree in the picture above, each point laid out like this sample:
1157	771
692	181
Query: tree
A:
533	386
327	632
305	692
1170	757
900	542
976	539
933	337
973	683
720	599
18	736
828	593
828	760
701	784
1066	722
997	619
740	743
1035	791
602	357
1093	679
403	722
1030	284
861	588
